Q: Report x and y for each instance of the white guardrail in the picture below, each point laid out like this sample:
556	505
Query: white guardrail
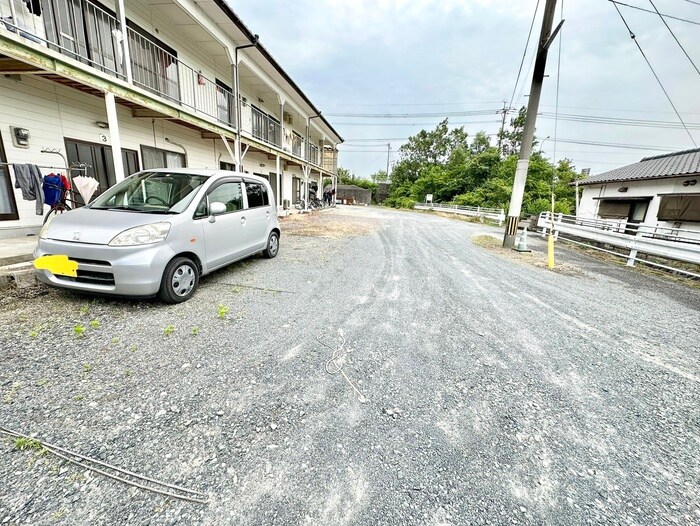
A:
672	243
497	214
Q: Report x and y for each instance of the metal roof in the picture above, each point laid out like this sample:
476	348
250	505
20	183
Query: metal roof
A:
675	164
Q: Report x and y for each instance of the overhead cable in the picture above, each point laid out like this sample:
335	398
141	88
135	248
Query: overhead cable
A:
522	60
616	3
674	37
633	37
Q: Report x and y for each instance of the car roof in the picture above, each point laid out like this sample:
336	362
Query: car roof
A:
218	174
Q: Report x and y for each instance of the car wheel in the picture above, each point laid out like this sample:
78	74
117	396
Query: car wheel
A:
180	280
273	245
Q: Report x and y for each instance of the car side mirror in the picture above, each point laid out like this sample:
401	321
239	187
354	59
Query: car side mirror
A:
216	209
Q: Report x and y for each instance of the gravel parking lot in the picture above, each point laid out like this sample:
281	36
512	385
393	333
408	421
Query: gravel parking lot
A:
476	388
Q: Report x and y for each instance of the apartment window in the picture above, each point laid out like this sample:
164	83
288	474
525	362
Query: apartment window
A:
154	64
680	207
8	206
157	158
224	103
83	30
297	141
257	195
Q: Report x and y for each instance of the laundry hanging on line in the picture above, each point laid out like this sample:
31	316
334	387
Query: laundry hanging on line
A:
29	179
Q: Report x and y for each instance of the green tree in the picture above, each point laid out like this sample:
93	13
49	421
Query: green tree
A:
345	176
379	177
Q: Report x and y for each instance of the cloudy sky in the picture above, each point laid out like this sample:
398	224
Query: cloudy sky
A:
357	59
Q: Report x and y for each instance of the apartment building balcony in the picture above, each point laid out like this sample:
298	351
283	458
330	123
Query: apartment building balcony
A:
87	32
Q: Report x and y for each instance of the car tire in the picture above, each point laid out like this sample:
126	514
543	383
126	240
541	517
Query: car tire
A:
273	245
180	280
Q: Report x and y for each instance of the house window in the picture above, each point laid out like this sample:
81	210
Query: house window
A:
679	208
157	158
614	209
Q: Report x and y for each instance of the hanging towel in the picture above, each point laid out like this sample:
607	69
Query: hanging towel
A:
53	189
85	186
28	179
66	182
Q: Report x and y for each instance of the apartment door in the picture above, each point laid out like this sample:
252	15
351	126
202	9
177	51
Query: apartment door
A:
8	205
98	161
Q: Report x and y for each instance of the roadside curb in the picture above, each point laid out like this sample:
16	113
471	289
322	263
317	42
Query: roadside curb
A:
17	276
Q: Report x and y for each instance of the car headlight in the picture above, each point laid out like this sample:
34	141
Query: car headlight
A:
142	235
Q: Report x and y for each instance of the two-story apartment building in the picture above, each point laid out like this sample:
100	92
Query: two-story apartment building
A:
110	87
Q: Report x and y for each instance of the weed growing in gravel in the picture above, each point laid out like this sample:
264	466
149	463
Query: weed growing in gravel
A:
79	397
33	333
169	330
133	348
94	324
87	367
84	310
115	340
11	394
236	290
127	373
59	514
195	331
23	443
79	330
223	311
41	382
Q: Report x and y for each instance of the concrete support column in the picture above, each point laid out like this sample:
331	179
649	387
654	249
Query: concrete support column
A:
114	136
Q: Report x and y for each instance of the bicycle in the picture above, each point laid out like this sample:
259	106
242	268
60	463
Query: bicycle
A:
61	205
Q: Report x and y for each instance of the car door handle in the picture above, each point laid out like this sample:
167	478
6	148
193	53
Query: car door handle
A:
243	221
267	215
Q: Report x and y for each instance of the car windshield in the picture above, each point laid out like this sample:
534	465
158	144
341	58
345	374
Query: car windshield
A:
152	192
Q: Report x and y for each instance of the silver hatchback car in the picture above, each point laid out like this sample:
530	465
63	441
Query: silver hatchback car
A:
157	232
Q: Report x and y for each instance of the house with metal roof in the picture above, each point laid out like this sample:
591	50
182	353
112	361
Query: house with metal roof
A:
105	88
662	190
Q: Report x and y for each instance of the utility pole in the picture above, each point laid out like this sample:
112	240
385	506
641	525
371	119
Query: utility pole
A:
388	156
516	197
504	111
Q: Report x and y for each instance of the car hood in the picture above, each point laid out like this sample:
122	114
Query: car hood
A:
97	227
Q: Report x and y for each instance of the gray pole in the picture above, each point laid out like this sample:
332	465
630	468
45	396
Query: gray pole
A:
237	89
388	154
504	111
516	198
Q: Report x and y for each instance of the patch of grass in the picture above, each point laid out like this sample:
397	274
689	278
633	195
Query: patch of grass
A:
133	348
33	333
167	331
41	382
236	289
128	373
87	368
79	397
195	331
223	310
487	242
84	310
115	340
94	324
79	330
23	444
12	393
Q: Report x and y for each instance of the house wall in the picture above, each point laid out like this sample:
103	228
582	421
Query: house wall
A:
652	188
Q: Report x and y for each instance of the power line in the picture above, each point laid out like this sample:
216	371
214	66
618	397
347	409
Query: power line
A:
420	115
616	3
674	37
522	61
652	70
